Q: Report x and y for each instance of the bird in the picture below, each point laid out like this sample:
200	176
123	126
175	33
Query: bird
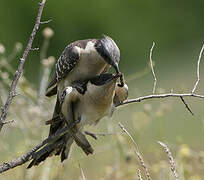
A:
78	109
82	60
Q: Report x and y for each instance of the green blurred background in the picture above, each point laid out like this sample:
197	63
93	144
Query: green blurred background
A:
177	28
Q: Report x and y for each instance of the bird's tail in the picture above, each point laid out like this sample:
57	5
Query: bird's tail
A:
61	147
80	140
62	144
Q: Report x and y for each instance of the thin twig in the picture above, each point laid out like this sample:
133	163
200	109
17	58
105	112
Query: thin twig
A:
139	175
137	152
82	173
171	159
157	96
45	22
8	122
20	66
198	70
94	135
186	105
152	68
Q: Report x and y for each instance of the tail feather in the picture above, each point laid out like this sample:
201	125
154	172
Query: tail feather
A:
62	147
45	152
82	142
66	149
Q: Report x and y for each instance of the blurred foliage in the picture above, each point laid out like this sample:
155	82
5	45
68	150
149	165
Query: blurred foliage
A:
175	26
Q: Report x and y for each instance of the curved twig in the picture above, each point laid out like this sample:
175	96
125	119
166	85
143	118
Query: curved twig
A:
198	70
171	159
152	68
158	96
144	166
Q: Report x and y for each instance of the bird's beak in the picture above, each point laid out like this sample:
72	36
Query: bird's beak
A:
116	67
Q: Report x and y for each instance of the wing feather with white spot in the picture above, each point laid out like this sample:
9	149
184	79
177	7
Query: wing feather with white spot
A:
65	64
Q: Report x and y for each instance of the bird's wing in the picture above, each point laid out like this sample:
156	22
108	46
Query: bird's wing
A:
68	94
65	64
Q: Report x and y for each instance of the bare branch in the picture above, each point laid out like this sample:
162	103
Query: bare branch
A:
159	96
139	175
26	157
152	68
186	105
82	173
8	122
171	159
137	152
198	70
20	66
18	161
171	94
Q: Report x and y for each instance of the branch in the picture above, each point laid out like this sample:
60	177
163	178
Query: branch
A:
137	153
19	161
8	122
26	157
198	69
152	68
20	66
158	96
171	94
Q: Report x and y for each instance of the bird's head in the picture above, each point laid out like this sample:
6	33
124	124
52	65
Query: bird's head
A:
109	51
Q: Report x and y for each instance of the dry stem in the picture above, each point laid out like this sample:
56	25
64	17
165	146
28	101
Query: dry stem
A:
198	70
137	153
20	66
152	68
171	159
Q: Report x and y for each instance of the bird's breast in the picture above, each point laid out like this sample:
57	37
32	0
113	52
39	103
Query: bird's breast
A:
92	111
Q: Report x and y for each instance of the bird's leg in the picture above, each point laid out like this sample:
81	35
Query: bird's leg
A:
73	122
91	134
